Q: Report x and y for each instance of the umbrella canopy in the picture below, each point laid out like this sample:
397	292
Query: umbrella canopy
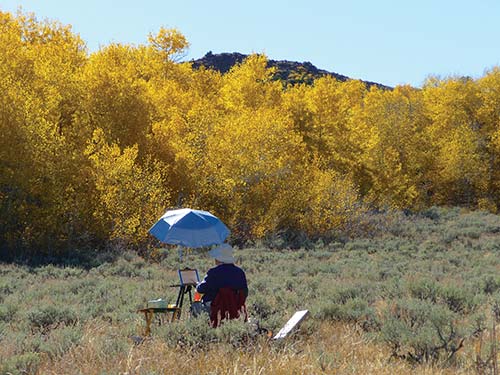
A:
190	228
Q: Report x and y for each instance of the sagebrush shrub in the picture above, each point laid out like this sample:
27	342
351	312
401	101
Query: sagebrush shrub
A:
352	310
26	363
60	340
421	330
46	316
458	299
7	312
424	289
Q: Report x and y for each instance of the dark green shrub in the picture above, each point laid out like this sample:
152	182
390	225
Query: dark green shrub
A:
235	332
196	333
61	340
7	312
26	363
125	268
458	299
354	310
424	289
260	308
3	329
358	245
432	246
421	331
392	288
432	213
47	316
490	284
288	238
260	285
5	290
52	271
342	293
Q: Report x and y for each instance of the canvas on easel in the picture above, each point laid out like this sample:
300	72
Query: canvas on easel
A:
189	276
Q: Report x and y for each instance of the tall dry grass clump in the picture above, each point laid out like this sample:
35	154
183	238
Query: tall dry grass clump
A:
332	349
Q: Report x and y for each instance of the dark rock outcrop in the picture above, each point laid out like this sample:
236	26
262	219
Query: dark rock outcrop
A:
291	72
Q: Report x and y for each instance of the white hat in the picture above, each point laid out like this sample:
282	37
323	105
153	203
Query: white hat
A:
223	253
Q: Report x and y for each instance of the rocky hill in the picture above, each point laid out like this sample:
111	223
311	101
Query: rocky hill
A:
291	72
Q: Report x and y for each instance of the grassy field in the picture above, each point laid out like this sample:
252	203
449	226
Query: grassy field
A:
420	295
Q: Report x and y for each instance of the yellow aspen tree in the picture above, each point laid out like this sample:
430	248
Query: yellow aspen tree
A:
39	74
331	137
185	112
130	196
460	167
332	204
323	116
295	106
394	147
489	136
251	85
168	44
253	160
116	95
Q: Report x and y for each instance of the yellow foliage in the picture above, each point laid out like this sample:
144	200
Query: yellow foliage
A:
332	136
96	146
251	159
169	43
333	202
130	197
39	65
460	160
393	149
250	85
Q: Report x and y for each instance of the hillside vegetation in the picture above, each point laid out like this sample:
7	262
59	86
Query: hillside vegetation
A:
95	147
420	296
289	72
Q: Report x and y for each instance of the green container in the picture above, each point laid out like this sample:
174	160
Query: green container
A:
157	303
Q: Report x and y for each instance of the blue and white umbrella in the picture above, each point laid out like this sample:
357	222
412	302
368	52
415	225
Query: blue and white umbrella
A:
190	228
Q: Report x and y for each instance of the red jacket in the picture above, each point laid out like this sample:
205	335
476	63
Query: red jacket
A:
228	304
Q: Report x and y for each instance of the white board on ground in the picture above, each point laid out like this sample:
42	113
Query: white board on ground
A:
291	324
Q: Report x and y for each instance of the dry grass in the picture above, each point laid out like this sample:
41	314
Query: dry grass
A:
333	349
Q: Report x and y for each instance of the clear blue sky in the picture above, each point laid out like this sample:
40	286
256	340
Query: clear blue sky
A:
386	41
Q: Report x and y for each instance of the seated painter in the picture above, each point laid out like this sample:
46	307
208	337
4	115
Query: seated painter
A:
224	288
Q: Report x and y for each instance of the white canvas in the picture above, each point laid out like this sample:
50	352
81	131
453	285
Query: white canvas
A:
291	324
189	277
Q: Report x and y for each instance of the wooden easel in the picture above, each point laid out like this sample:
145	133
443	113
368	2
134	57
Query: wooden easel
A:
188	279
